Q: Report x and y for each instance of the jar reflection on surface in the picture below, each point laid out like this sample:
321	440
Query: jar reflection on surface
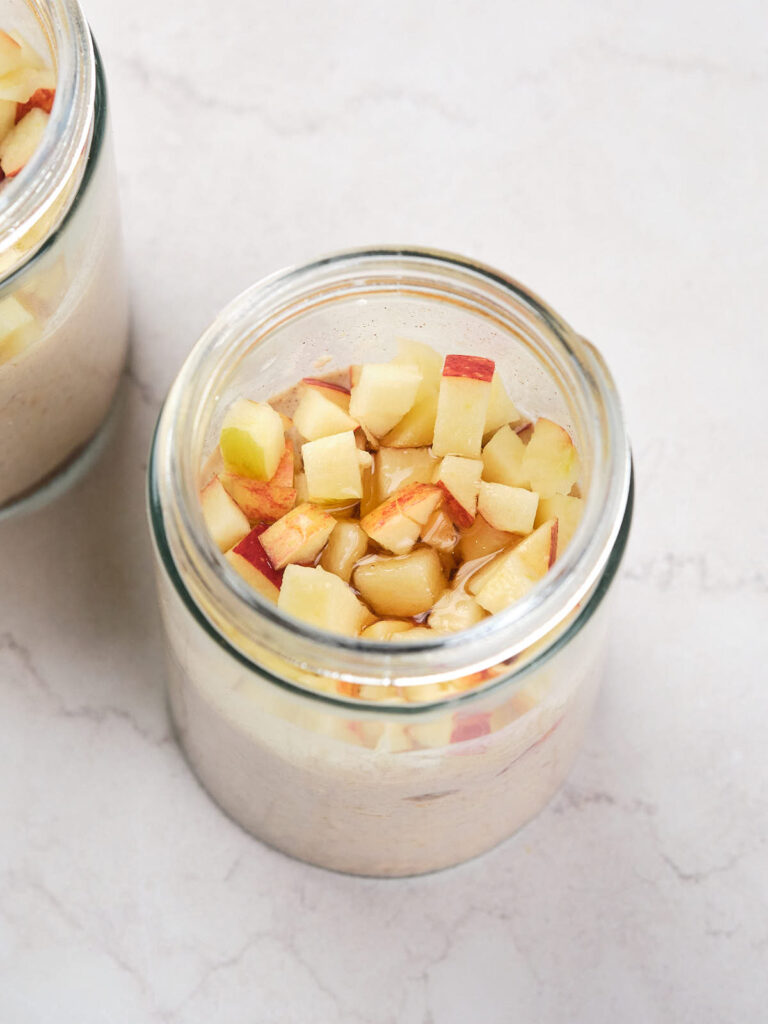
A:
61	264
365	758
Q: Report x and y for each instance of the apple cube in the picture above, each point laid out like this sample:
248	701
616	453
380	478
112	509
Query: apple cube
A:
397	522
321	599
385	629
567	510
299	536
481	539
11	54
475	574
455	610
519	569
465	391
401	585
550	463
346	546
397	467
460	480
249	559
19	145
503	457
332	466
252	439
501	409
261	501
417	427
439	531
383	395
18	85
318	415
40	98
225	520
329	389
512	509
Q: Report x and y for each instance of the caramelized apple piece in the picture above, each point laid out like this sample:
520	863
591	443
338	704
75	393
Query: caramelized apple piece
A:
400	586
346	546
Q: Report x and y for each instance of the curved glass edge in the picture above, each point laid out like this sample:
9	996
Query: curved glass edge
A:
94	155
163	551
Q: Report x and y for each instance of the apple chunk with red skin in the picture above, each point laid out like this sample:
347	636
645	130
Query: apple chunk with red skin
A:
462	405
397	522
519	569
249	559
459	478
264	501
299	536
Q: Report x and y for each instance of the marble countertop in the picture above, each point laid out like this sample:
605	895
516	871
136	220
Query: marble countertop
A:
613	158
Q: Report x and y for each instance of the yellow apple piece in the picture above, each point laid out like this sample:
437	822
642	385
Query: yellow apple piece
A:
252	439
397	467
503	457
465	391
439	531
383	395
299	536
397	522
346	546
512	509
226	522
321	599
417	427
261	501
19	145
459	478
318	414
501	409
249	559
7	117
475	574
30	58
567	510
385	629
11	53
519	569
400	586
18	85
455	610
550	463
332	466
481	539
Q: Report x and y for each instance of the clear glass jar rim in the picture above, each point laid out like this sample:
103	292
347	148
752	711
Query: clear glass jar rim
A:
27	197
175	509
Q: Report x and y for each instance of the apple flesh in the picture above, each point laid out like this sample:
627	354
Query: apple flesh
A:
299	536
501	409
332	467
261	501
383	395
397	467
567	510
41	99
482	539
465	391
225	520
385	629
318	414
346	546
439	531
21	83
455	610
400	586
249	560
459	478
519	569
511	509
252	439
321	599
19	145
397	522
550	463
503	457
417	427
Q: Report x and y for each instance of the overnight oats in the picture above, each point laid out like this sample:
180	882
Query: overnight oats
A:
63	299
389	492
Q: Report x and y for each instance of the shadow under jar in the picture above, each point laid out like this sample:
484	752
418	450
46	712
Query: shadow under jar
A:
63	297
351	754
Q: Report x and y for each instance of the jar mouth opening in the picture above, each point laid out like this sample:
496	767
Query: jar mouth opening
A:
175	508
27	197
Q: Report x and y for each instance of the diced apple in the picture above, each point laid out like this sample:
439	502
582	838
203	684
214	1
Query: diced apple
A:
567	510
385	629
460	480
439	531
299	536
20	84
262	501
40	98
519	569
19	145
321	599
7	117
318	415
465	391
455	610
401	585
397	522
475	574
481	539
11	54
332	466
225	520
252	439
30	58
503	457
329	389
417	427
249	559
512	509
501	409
397	467
347	545
550	463
383	395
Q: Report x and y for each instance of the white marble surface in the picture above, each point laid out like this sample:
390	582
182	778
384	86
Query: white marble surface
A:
611	155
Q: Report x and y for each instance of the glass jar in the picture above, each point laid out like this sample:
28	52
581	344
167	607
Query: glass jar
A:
63	295
376	758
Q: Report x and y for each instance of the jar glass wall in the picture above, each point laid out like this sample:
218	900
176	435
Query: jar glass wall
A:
368	757
63	296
